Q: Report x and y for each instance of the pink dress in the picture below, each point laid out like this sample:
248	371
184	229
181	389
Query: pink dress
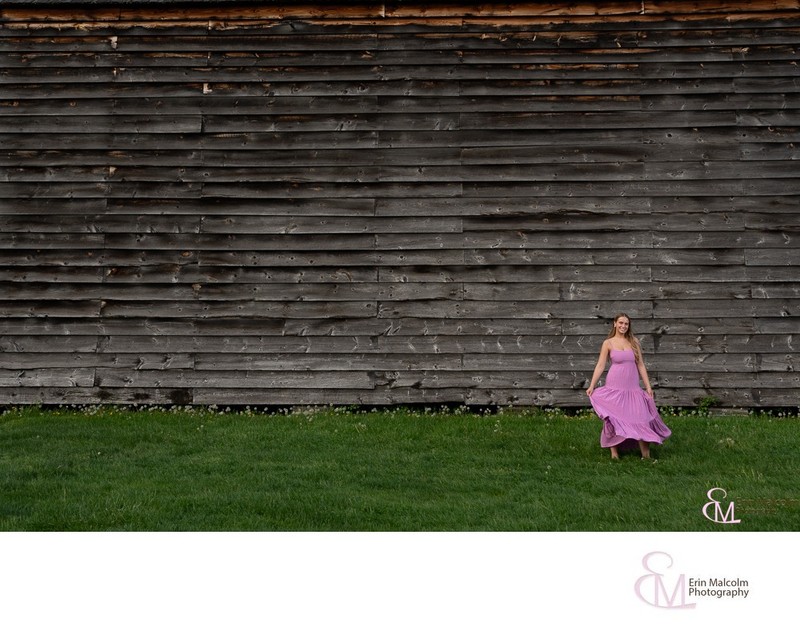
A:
627	412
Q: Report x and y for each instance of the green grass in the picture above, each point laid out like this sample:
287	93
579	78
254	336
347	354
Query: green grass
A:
331	469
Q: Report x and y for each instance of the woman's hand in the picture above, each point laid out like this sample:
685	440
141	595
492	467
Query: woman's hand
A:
649	391
590	390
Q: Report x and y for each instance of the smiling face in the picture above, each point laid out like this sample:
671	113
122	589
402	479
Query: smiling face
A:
621	325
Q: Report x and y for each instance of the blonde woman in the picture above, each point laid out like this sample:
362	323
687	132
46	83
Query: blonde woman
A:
628	413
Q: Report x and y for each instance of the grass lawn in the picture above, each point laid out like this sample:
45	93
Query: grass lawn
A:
329	469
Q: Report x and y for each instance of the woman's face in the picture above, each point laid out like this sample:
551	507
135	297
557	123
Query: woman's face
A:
622	325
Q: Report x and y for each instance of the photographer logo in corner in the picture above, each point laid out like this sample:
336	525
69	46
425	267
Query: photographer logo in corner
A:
726	516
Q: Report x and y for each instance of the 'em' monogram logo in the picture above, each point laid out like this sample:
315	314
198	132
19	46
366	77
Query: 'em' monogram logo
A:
727	517
659	596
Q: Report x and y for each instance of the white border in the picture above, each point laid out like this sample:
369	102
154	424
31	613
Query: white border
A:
380	581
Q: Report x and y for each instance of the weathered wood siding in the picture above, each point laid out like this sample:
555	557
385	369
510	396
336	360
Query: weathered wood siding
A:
392	204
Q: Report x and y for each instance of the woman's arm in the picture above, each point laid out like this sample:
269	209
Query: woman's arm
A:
643	373
600	367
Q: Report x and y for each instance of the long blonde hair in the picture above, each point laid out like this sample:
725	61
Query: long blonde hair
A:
637	348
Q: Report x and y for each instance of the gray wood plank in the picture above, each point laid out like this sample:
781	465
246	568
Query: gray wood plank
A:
786	256
47	343
81	361
656	363
640	256
239	242
265	325
537	309
193	274
294	397
317	362
19	273
104	124
525	240
786	307
50	308
518	273
328	293
233	379
692	222
263	207
398	343
49	377
229	308
98	223
708	325
93	257
328	225
328	259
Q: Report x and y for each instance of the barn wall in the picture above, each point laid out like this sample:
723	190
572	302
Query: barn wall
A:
394	204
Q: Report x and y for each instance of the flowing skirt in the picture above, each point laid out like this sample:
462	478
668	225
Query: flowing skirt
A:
627	412
628	415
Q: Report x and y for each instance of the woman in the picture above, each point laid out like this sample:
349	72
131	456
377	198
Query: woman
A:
629	414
